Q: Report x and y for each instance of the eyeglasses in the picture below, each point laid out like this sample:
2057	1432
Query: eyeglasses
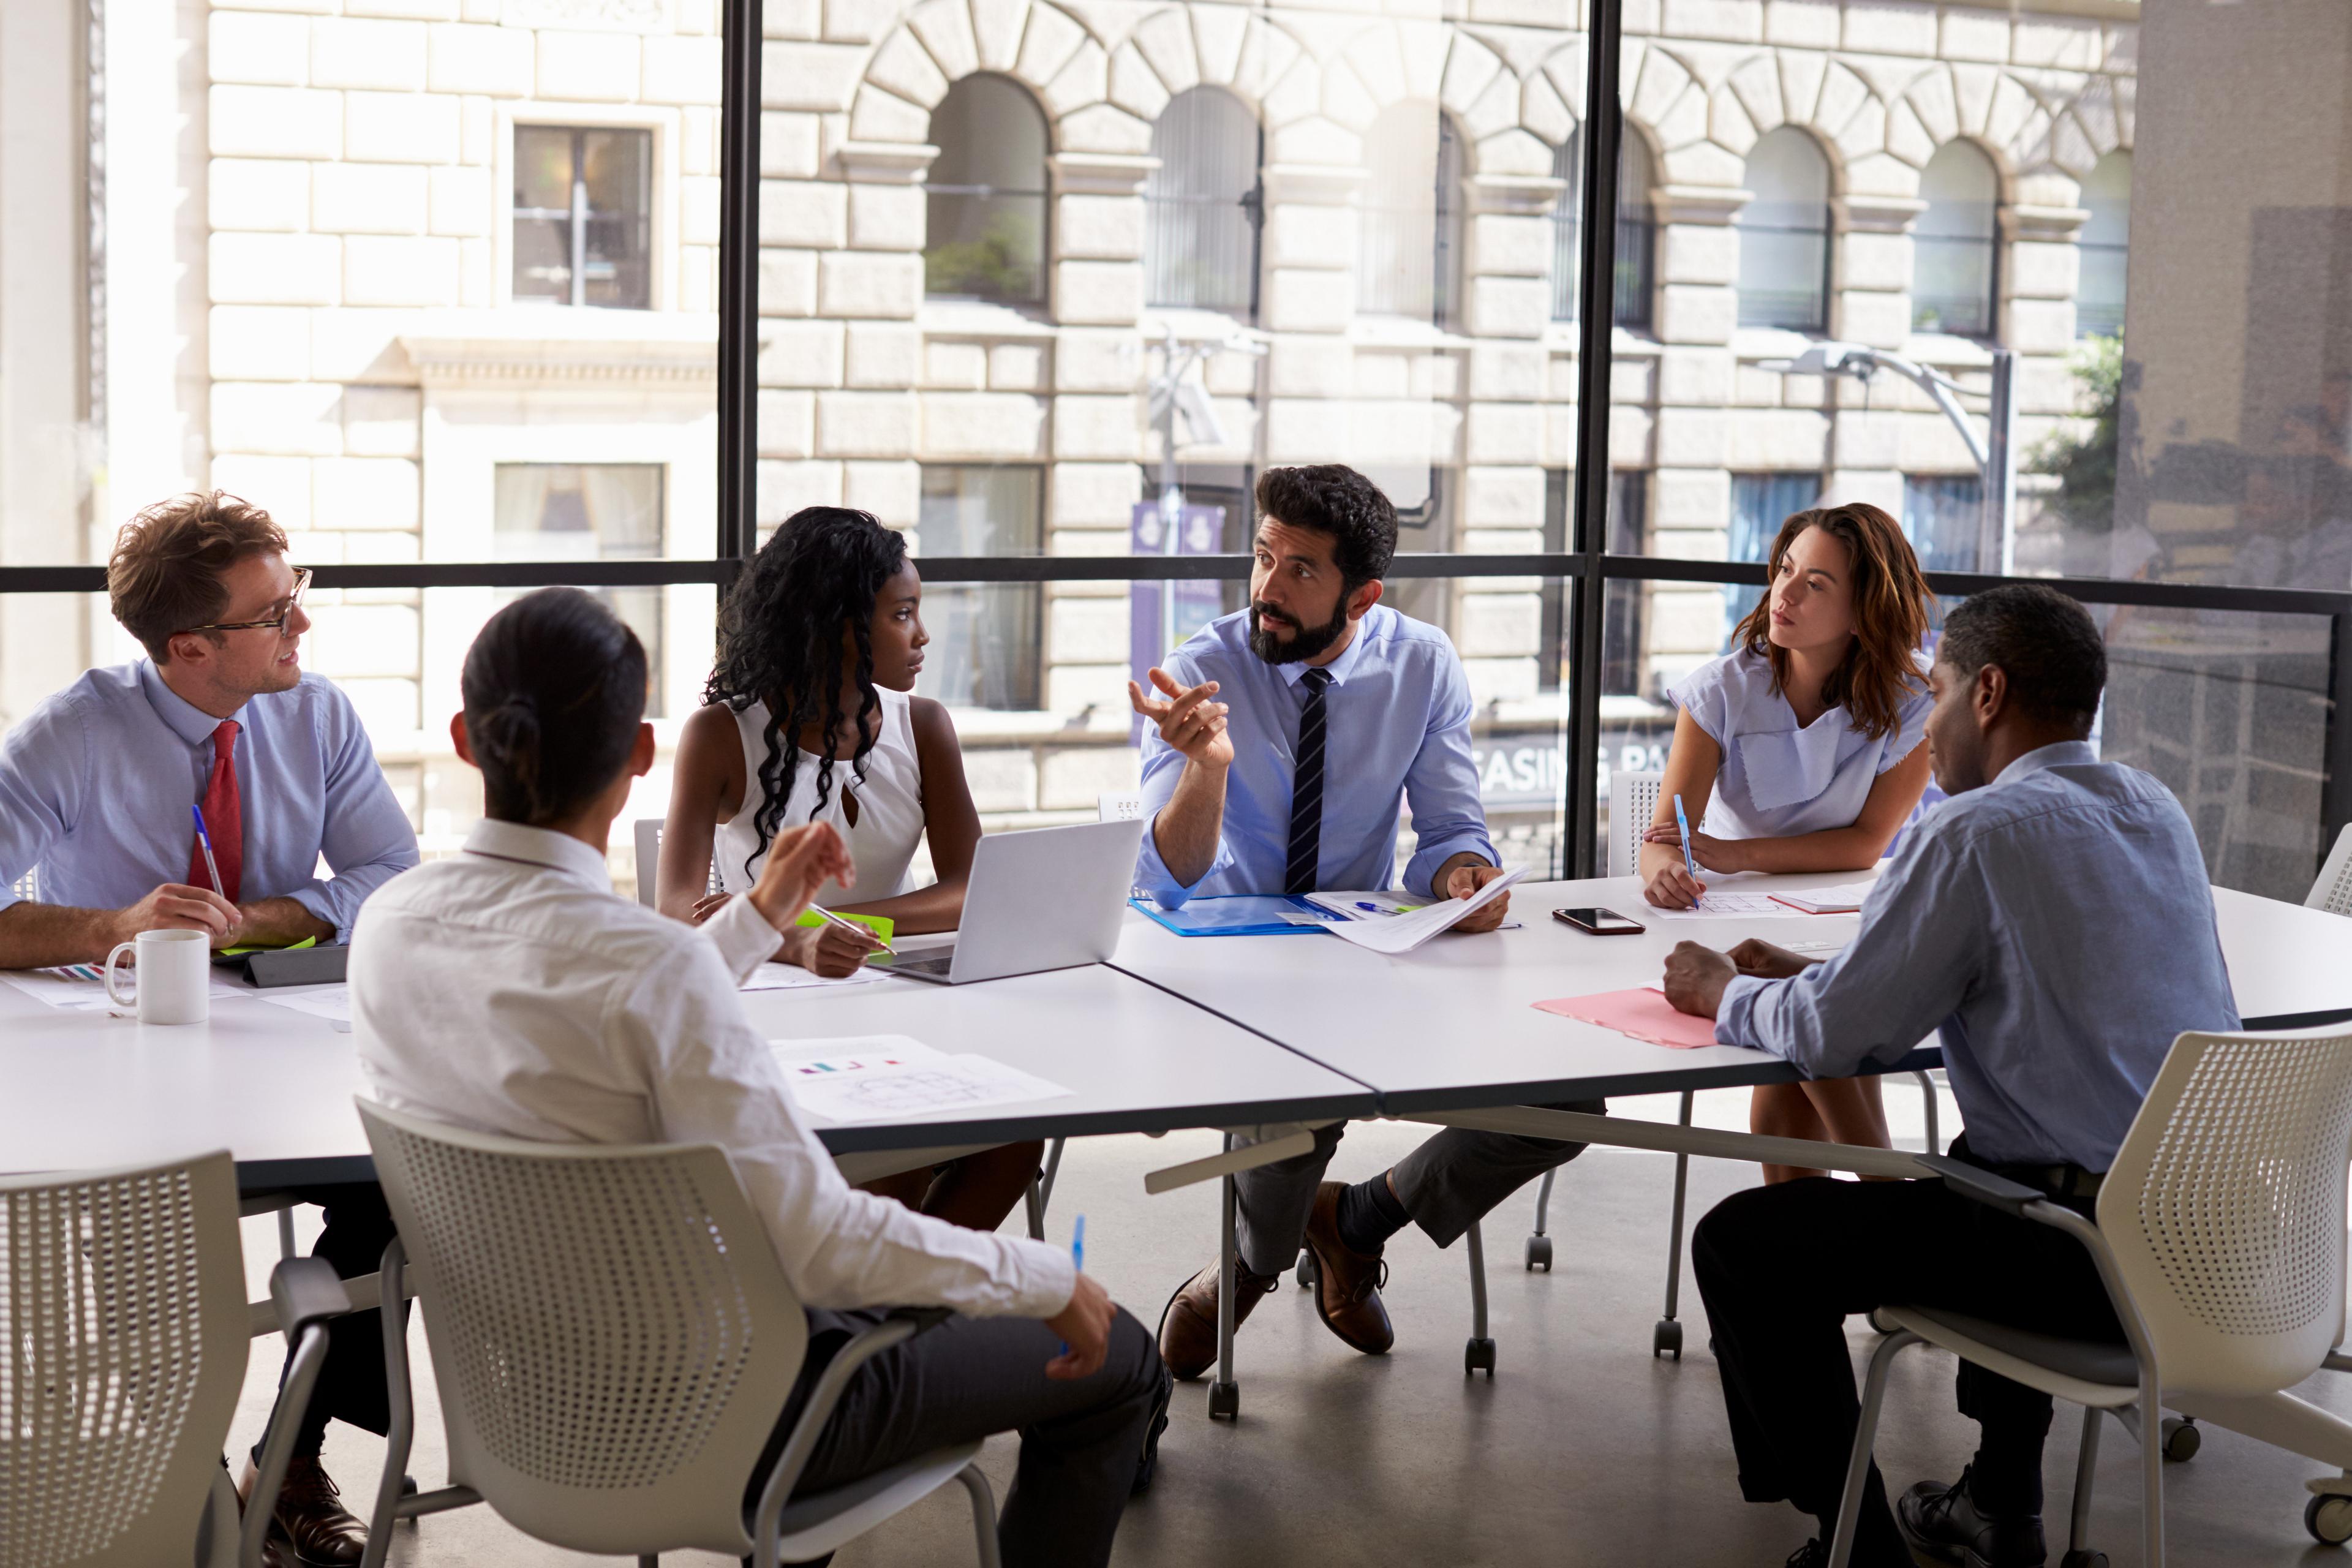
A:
276	623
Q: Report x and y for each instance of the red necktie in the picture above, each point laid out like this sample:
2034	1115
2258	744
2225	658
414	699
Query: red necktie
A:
224	820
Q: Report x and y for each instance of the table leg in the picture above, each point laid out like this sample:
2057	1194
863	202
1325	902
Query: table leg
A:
1224	1395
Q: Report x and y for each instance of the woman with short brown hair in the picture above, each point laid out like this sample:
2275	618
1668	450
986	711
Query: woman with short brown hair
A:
1798	751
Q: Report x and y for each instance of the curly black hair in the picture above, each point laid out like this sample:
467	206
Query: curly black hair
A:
780	643
1333	499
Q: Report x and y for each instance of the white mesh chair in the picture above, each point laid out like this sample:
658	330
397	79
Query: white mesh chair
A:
2220	1242
1632	806
2332	891
613	1342
123	1320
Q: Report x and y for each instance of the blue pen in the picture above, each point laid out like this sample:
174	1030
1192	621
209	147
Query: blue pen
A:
1682	824
206	840
1077	1256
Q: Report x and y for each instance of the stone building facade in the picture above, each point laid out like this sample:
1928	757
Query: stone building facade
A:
362	309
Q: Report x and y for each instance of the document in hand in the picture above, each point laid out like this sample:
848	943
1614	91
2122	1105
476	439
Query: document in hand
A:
1403	934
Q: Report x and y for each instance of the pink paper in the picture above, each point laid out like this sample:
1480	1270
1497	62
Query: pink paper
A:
1643	1015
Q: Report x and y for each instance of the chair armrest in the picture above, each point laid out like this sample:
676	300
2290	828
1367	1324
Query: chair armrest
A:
924	1319
902	1324
306	1290
1979	1185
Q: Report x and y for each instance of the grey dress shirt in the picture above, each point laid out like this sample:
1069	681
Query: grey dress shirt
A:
2055	925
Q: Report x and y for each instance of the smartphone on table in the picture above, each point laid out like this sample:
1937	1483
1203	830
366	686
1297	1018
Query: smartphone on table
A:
1599	922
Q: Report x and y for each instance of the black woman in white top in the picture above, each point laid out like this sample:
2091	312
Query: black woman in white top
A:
811	718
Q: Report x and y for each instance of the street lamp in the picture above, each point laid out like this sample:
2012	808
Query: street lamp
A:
1995	452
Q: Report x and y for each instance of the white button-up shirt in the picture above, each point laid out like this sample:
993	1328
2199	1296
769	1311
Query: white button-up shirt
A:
509	990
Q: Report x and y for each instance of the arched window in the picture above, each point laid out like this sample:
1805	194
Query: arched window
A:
986	195
1203	204
2099	295
1955	243
1784	233
1409	233
1635	225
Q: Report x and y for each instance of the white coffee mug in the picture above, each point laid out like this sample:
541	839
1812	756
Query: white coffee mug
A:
174	973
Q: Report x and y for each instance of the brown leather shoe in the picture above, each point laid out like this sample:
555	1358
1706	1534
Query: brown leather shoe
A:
311	1526
1346	1283
1187	1324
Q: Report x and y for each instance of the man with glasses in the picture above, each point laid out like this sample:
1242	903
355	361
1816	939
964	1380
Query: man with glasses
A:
97	843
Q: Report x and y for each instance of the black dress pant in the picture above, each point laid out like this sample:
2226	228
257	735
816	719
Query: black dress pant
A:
971	1378
350	1384
1781	1267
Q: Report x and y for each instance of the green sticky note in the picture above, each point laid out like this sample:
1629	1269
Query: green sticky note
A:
880	925
289	947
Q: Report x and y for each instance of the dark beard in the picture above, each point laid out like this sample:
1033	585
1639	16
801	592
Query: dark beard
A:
1305	642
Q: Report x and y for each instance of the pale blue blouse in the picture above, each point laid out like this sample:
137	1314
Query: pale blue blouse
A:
1778	779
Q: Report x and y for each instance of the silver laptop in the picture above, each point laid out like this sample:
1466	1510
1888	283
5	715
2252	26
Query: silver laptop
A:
1052	897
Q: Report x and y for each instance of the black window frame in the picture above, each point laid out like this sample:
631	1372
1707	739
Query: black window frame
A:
1582	558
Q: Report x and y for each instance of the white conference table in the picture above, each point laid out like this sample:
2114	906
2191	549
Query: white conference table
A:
1452	1025
274	1086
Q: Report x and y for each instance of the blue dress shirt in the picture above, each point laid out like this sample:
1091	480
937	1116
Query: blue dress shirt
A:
2056	925
1396	725
95	788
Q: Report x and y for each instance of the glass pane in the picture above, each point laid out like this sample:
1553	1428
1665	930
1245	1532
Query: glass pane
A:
1784	233
986	207
987	639
1955	244
1636	231
618	239
1400	237
2103	246
1203	204
1943	516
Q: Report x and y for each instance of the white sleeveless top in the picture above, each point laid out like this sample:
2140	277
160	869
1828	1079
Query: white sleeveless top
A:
889	806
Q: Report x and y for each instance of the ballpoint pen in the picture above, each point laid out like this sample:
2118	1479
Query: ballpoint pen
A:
832	919
1681	823
205	840
1077	1256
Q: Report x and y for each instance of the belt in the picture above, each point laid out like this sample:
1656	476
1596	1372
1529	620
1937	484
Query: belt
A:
2059	1181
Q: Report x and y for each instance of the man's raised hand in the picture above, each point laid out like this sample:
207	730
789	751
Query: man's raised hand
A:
1190	723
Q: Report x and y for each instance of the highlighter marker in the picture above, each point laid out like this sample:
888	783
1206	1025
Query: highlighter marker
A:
1681	823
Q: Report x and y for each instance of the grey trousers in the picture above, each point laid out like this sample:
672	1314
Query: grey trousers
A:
969	1378
1446	1185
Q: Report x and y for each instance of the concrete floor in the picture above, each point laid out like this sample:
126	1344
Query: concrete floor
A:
1582	1450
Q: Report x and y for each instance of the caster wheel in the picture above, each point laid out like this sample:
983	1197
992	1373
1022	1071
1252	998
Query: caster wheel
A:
1224	1401
1306	1271
2180	1439
1478	1355
1539	1254
2084	1560
2329	1519
1666	1339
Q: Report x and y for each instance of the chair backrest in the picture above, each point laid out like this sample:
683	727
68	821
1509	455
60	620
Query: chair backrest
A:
2332	891
2226	1207
611	1336
124	1335
649	832
1632	806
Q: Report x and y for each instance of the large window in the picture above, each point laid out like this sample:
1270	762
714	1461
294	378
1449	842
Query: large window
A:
1408	235
1955	248
986	639
2101	246
985	237
591	511
584	216
1943	515
1636	226
1204	204
1761	503
1784	233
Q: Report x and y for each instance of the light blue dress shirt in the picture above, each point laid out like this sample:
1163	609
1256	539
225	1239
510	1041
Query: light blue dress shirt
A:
2055	925
1396	727
95	788
1779	778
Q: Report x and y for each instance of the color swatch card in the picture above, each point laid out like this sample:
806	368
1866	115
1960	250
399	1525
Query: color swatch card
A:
1642	1015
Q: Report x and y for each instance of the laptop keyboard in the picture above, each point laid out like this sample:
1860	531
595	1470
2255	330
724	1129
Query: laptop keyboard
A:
935	964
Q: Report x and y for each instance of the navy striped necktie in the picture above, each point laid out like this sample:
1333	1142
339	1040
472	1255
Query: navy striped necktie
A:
1306	789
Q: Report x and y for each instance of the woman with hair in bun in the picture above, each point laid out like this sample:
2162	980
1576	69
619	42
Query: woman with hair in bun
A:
811	718
1798	751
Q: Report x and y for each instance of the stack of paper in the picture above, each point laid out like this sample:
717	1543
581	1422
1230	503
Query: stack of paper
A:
1404	933
332	1002
1846	900
792	977
77	988
1643	1014
890	1078
1717	905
